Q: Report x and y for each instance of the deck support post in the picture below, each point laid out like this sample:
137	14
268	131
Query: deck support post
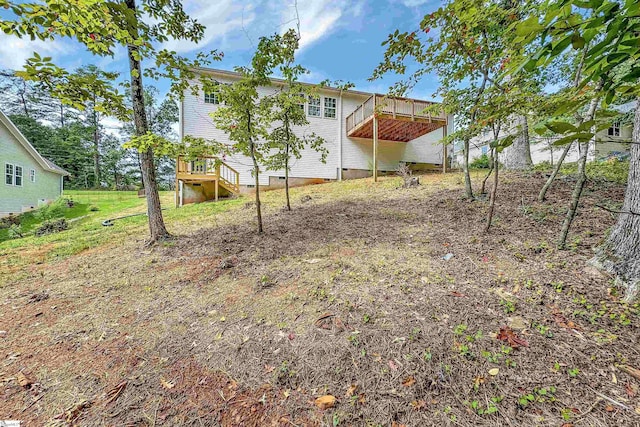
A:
444	149
375	148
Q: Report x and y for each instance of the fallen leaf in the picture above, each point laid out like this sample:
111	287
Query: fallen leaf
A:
25	380
419	404
325	402
457	294
268	369
166	384
392	365
609	408
286	393
478	381
567	425
638	410
632	389
507	334
395	424
351	390
493	372
312	261
291	336
409	381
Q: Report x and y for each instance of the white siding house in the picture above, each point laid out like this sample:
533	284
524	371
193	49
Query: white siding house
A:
28	179
349	155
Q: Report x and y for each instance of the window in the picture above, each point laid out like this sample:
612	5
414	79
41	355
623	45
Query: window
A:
32	175
614	130
330	108
8	174
301	104
211	98
485	149
314	106
18	176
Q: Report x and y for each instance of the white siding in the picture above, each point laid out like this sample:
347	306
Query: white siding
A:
356	153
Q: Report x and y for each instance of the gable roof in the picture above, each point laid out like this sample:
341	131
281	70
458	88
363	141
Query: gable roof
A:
46	164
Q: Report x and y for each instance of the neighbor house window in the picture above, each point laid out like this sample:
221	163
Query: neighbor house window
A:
18	176
330	108
211	98
614	130
314	106
8	174
485	149
32	175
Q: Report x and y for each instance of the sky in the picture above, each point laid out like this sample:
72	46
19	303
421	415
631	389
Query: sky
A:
341	39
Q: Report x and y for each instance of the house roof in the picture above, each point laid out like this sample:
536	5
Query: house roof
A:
46	164
234	74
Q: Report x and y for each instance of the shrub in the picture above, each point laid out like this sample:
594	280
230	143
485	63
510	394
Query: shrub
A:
49	227
8	221
611	170
51	211
481	162
15	231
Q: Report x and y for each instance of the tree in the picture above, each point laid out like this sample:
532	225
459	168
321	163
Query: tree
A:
244	117
286	108
468	54
518	155
103	26
611	64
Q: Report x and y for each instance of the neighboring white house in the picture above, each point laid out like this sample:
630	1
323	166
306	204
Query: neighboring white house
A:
29	180
343	118
609	142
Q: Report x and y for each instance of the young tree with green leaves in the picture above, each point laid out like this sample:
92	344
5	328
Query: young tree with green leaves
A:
244	118
286	109
607	31
104	26
468	54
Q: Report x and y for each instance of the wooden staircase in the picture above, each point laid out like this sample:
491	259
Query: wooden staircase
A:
206	170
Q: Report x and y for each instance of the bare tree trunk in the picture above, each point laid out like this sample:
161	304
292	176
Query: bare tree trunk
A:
543	193
468	190
491	165
576	82
286	165
286	179
582	175
494	192
620	254
96	147
518	155
157	228
256	174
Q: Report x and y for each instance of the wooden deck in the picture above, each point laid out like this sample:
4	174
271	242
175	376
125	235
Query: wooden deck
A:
206	169
399	119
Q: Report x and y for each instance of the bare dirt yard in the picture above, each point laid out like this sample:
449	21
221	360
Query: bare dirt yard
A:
393	301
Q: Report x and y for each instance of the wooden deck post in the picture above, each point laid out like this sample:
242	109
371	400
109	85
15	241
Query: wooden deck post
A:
444	148
217	187
375	141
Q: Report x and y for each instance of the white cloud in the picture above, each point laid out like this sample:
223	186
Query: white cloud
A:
318	19
221	19
14	51
415	3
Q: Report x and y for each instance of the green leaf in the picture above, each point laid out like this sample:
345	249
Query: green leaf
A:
577	41
584	136
561	127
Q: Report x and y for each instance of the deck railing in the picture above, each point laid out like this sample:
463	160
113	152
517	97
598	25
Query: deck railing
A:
209	167
394	106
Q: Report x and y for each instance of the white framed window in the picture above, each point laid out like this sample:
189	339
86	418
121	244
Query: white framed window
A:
314	106
17	179
32	175
211	98
8	174
614	130
330	108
